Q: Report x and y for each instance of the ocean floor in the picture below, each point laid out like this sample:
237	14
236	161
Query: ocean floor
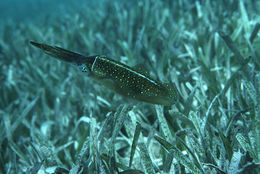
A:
56	119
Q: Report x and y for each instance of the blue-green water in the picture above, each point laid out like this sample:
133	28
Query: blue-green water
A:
53	116
30	10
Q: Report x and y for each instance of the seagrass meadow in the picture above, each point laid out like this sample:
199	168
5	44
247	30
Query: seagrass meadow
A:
55	119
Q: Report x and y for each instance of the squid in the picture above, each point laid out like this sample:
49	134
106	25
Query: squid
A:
117	76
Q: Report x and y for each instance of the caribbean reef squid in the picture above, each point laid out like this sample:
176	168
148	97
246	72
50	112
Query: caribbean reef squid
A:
117	76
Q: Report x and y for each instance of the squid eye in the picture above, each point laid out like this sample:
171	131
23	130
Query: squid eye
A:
82	67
